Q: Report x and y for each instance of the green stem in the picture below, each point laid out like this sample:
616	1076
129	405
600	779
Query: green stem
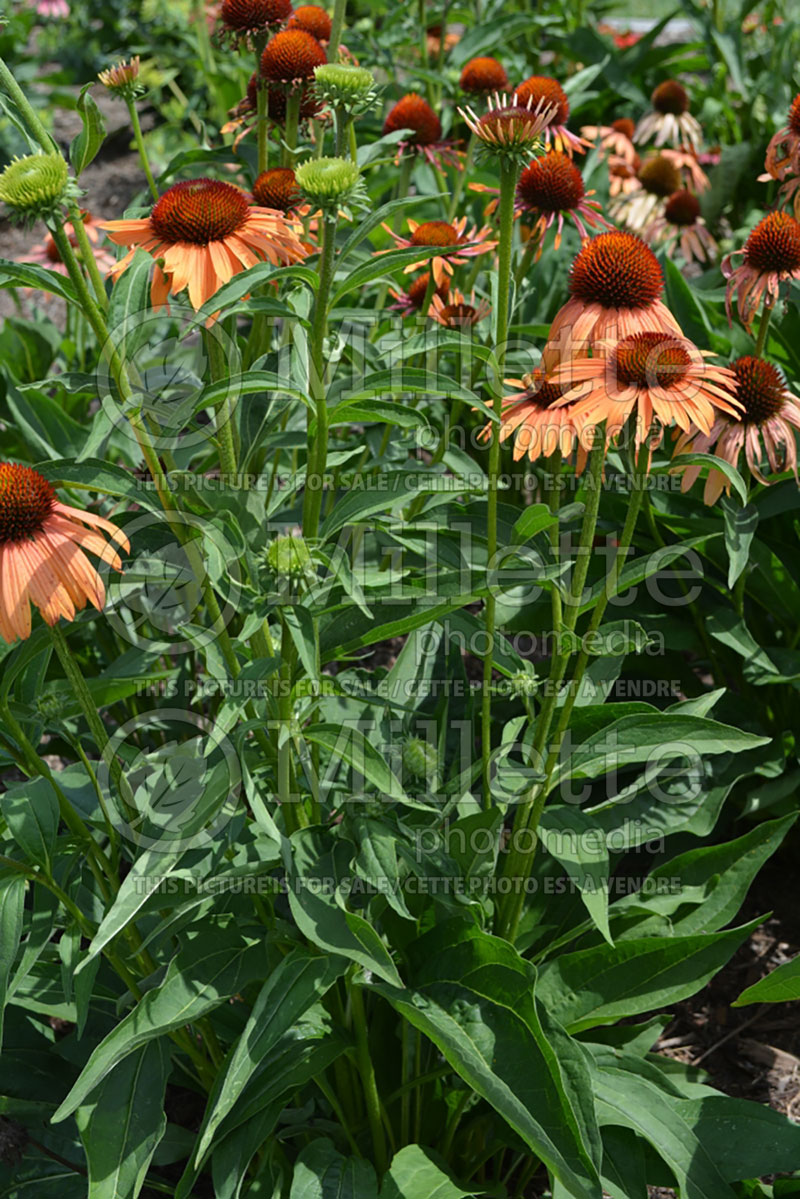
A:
343	121
226	440
508	184
519	861
766	317
290	131
318	444
368	1080
336	30
422	20
140	146
461	178
87	255
262	99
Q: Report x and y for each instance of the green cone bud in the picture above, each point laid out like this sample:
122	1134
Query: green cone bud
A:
344	86
331	183
37	187
419	758
289	558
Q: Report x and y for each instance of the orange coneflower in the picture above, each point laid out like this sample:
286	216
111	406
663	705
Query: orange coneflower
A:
414	113
539	424
771	256
483	75
277	188
615	290
203	232
552	186
313	20
456	312
413	298
289	58
542	93
42	559
622	175
46	253
658	178
670	120
434	35
465	245
652	377
242	21
616	138
681	225
509	127
770	415
783	151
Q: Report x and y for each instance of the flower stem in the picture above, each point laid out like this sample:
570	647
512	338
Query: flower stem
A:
26	110
368	1080
508	183
519	863
140	146
336	30
226	441
290	131
263	128
318	445
766	317
87	256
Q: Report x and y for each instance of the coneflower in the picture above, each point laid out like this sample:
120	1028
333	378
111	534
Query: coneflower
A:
771	256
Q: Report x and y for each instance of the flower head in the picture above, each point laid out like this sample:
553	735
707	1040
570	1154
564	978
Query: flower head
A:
414	113
783	151
657	178
277	188
58	9
412	299
766	428
290	56
42	559
483	75
771	256
616	138
670	120
541	426
203	232
460	244
681	225
455	312
36	187
508	129
544	94
650	377
615	290
122	79
243	21
552	186
313	20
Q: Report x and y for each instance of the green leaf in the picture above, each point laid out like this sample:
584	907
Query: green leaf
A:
321	1172
124	1121
298	982
574	840
28	274
129	297
414	1175
781	985
317	874
601	985
85	145
474	998
384	264
740	527
148	873
31	811
656	740
12	904
370	222
626	1099
534	519
347	744
744	1139
248	281
354	412
712	462
214	966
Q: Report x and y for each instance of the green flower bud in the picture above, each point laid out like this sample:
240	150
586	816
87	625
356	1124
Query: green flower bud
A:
344	86
331	184
524	683
289	558
419	758
37	187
